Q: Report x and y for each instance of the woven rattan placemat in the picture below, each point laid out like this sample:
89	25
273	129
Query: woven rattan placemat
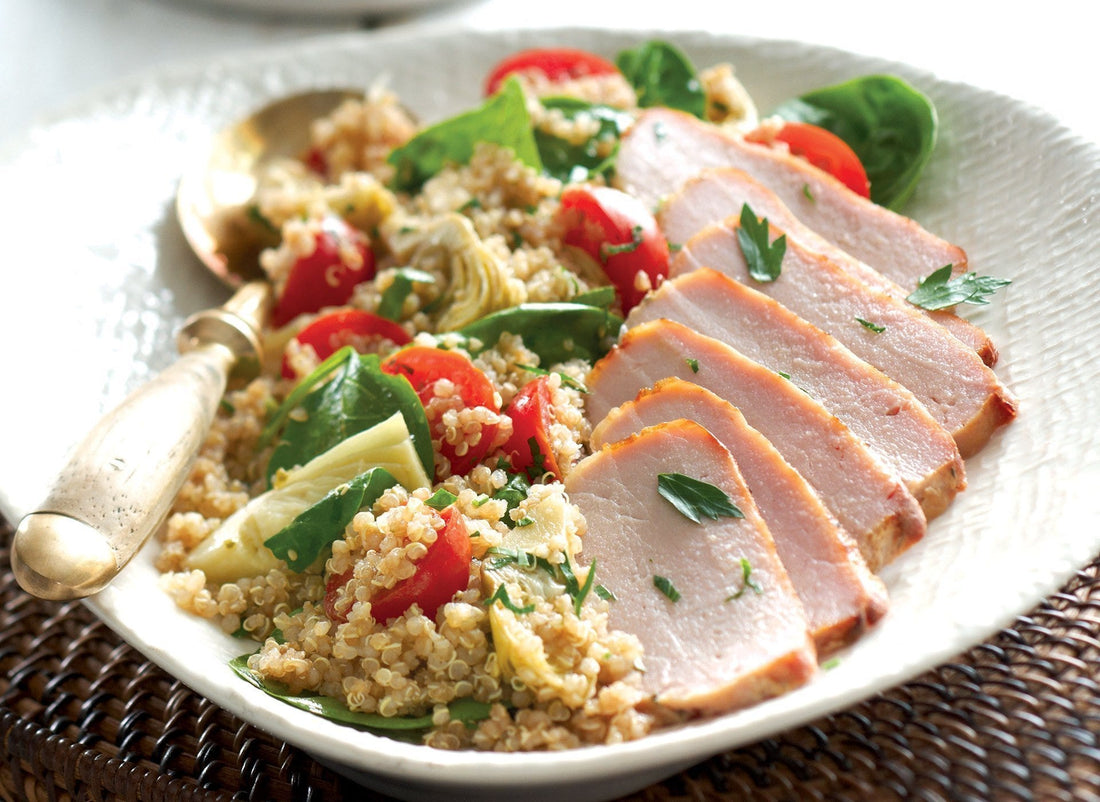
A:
85	716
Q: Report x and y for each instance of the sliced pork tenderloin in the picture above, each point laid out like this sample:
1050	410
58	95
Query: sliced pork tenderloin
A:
841	595
718	194
665	147
960	392
728	630
872	503
883	414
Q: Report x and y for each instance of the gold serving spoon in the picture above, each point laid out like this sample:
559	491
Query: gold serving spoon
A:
121	479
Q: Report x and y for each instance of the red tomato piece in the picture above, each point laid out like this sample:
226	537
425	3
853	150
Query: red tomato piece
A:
423	366
333	330
441	573
619	232
556	63
826	151
341	259
532	413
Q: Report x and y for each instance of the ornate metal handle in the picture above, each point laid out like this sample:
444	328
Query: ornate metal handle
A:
120	481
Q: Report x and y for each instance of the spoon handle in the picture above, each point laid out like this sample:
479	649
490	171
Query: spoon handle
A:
121	480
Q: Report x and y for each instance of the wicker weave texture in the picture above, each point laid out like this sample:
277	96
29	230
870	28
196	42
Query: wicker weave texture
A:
84	716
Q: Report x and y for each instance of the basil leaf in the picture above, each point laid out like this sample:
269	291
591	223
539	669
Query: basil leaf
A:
393	299
663	76
357	396
302	540
468	711
764	260
696	499
572	162
939	291
889	124
555	331
502	119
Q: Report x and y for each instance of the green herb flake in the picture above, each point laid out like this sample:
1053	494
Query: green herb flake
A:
566	379
441	499
693	364
664	584
830	664
867	324
764	259
392	302
809	193
696	499
226	407
747	582
940	291
604	593
501	596
607	249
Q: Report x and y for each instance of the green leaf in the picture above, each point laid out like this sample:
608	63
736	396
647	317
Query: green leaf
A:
393	299
556	332
468	711
566	379
441	499
940	291
889	124
513	493
357	396
663	76
764	259
501	596
696	499
572	162
664	584
304	538
867	324
602	297
747	582
502	120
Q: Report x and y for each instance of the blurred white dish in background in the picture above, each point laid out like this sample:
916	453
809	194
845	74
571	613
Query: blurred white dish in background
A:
304	9
97	278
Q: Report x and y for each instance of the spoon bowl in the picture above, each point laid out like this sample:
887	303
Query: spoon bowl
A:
215	199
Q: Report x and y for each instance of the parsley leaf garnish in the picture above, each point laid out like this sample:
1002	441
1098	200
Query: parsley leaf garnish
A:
867	324
939	291
502	596
695	498
747	582
693	364
566	379
664	584
764	259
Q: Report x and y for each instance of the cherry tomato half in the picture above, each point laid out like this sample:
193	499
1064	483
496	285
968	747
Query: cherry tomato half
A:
619	232
355	327
826	151
341	259
532	413
441	573
423	366
556	63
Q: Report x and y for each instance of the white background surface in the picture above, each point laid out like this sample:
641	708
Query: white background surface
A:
54	51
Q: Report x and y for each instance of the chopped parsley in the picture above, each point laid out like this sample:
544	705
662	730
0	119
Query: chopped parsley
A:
747	582
696	499
560	572
501	596
939	291
607	250
393	297
566	379
693	364
867	324
664	584
764	259
604	593
441	499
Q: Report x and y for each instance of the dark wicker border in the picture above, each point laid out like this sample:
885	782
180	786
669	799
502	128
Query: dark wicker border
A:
85	716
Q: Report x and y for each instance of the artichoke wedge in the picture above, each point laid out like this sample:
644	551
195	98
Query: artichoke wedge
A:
236	549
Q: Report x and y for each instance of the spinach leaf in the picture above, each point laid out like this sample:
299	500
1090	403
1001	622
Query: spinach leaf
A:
393	299
572	162
468	711
602	297
890	125
302	540
663	76
357	396
555	331
502	119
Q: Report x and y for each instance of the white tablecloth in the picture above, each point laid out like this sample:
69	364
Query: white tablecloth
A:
54	51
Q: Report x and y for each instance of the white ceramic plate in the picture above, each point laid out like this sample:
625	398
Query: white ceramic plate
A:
97	278
324	9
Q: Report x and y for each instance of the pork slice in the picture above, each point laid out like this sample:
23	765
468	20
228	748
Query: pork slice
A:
719	193
840	594
870	502
883	414
664	148
722	645
960	391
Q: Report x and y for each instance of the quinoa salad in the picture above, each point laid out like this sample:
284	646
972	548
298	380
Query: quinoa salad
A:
382	516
